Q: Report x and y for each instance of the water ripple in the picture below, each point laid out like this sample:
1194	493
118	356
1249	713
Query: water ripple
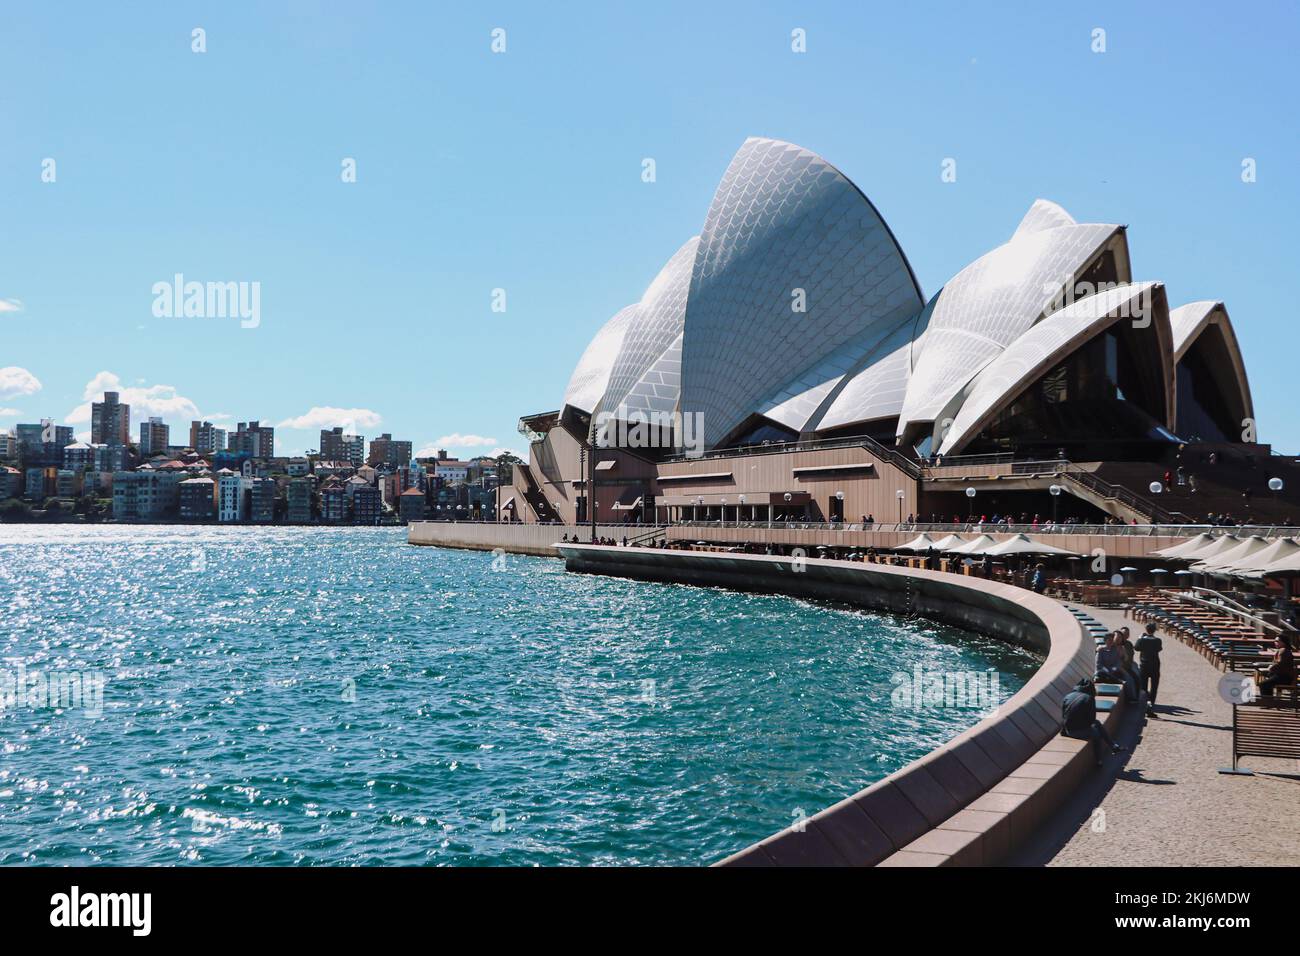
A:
333	696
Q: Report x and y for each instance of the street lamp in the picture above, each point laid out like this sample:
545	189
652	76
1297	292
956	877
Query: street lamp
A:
899	493
699	503
839	497
1275	484
722	523
970	511
1156	487
742	504
1055	491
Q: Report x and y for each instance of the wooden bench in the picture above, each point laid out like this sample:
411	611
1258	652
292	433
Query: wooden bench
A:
1267	727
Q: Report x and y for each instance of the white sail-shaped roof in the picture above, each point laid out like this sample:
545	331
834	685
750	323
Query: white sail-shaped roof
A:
1189	322
591	376
878	388
998	298
793	262
645	375
1041	348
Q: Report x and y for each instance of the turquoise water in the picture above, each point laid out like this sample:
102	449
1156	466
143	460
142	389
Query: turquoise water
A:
335	696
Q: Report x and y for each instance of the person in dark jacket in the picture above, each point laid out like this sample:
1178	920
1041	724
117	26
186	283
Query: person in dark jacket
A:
1282	670
1148	649
1079	720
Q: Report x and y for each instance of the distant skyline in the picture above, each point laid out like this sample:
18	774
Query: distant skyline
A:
486	178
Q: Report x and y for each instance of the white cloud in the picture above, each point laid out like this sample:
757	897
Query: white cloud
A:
458	440
326	416
9	412
160	400
11	305
15	381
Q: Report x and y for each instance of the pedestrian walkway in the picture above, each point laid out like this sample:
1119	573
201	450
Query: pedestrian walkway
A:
1165	804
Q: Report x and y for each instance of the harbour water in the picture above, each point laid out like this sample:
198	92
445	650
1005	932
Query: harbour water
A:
333	696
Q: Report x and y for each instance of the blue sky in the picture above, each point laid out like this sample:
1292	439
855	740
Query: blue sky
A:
522	171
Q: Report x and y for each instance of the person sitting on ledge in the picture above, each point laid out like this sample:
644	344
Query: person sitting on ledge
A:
1282	670
1128	653
1079	720
1148	648
1110	666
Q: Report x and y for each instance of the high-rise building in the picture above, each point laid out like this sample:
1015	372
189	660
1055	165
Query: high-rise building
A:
206	438
110	421
41	445
254	440
8	446
385	451
232	501
335	445
154	437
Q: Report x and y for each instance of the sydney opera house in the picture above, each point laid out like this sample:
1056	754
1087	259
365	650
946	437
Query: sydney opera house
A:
785	364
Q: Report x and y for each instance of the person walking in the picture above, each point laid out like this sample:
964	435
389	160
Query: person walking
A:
1039	581
1148	648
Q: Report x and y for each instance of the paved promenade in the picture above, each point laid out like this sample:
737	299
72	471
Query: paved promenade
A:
1165	804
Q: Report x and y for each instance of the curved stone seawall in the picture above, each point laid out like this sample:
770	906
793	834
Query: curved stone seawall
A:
874	825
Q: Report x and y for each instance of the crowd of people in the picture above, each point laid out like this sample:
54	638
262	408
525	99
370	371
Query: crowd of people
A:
1135	666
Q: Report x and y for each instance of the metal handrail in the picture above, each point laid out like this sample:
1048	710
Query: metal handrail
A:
1167	529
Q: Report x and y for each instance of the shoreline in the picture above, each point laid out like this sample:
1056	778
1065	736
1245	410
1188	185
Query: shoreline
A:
971	801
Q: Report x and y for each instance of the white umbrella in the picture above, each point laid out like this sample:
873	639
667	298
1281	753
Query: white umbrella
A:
980	545
1023	544
950	542
1256	562
1188	548
1283	566
920	543
1222	562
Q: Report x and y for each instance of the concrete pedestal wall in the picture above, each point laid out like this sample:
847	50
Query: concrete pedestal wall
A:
875	824
537	539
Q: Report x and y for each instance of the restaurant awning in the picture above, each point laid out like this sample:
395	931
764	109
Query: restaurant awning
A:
1227	558
833	469
709	476
1256	564
1187	548
1023	544
920	543
979	545
1212	550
